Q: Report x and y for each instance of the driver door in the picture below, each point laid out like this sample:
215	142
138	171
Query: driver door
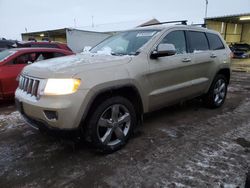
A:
171	76
11	70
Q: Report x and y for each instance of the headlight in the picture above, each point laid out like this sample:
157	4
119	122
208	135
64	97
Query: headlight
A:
61	86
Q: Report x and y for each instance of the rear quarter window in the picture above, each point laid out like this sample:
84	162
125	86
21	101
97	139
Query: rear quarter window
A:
198	41
215	42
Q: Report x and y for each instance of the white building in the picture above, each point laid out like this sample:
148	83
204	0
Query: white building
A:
78	38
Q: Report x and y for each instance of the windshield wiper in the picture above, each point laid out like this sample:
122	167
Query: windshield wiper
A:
118	54
134	53
122	54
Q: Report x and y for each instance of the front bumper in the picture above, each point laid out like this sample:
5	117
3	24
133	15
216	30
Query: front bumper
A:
69	109
35	123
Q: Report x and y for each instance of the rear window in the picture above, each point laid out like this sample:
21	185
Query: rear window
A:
198	41
215	42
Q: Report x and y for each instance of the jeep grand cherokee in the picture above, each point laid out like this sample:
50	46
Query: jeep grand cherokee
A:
105	92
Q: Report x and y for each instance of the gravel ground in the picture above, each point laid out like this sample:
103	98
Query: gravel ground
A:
241	65
181	146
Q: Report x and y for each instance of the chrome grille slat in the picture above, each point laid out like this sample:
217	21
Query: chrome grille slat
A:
23	80
29	85
20	82
26	84
35	88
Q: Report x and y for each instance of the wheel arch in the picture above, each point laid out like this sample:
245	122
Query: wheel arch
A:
127	91
226	72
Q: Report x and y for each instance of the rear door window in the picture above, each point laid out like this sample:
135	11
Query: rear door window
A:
22	59
45	55
198	41
27	58
215	42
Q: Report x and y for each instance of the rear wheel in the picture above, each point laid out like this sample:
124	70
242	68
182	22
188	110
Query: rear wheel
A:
111	124
217	93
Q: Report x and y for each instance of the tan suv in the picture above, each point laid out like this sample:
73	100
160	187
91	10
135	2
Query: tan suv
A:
105	92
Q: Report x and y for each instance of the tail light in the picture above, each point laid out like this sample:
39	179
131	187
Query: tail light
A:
231	55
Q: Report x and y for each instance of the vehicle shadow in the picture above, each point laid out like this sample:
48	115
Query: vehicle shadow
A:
193	104
7	105
4	103
173	116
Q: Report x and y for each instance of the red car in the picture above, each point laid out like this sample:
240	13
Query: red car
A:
13	60
43	44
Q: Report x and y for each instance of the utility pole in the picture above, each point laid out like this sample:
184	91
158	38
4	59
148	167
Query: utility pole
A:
206	8
92	21
75	22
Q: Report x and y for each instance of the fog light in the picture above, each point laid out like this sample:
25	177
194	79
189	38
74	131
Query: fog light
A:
51	115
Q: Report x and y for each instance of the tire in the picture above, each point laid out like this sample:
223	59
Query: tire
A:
216	95
110	124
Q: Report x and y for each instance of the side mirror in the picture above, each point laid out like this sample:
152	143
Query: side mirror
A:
163	50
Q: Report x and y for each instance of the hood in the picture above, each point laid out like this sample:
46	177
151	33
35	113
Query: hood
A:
69	66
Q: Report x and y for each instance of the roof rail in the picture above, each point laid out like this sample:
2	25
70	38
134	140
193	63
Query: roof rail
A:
202	25
183	22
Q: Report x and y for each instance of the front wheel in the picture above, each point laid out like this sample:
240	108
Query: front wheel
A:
111	124
216	95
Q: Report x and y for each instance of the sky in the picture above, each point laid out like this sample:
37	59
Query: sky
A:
16	15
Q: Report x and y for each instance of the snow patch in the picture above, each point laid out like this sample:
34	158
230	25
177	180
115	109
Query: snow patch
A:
170	132
75	61
10	121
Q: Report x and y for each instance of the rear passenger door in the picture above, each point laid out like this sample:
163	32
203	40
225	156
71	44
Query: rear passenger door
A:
217	48
203	61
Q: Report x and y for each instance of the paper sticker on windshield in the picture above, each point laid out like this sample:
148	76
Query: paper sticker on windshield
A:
146	34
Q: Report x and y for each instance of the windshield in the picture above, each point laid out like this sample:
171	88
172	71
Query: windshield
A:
5	54
124	43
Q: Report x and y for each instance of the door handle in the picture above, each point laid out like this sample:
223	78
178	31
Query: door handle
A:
213	56
186	60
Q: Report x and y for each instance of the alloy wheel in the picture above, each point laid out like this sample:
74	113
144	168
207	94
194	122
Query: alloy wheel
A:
219	91
114	125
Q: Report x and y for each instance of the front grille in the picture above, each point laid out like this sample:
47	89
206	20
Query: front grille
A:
29	85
